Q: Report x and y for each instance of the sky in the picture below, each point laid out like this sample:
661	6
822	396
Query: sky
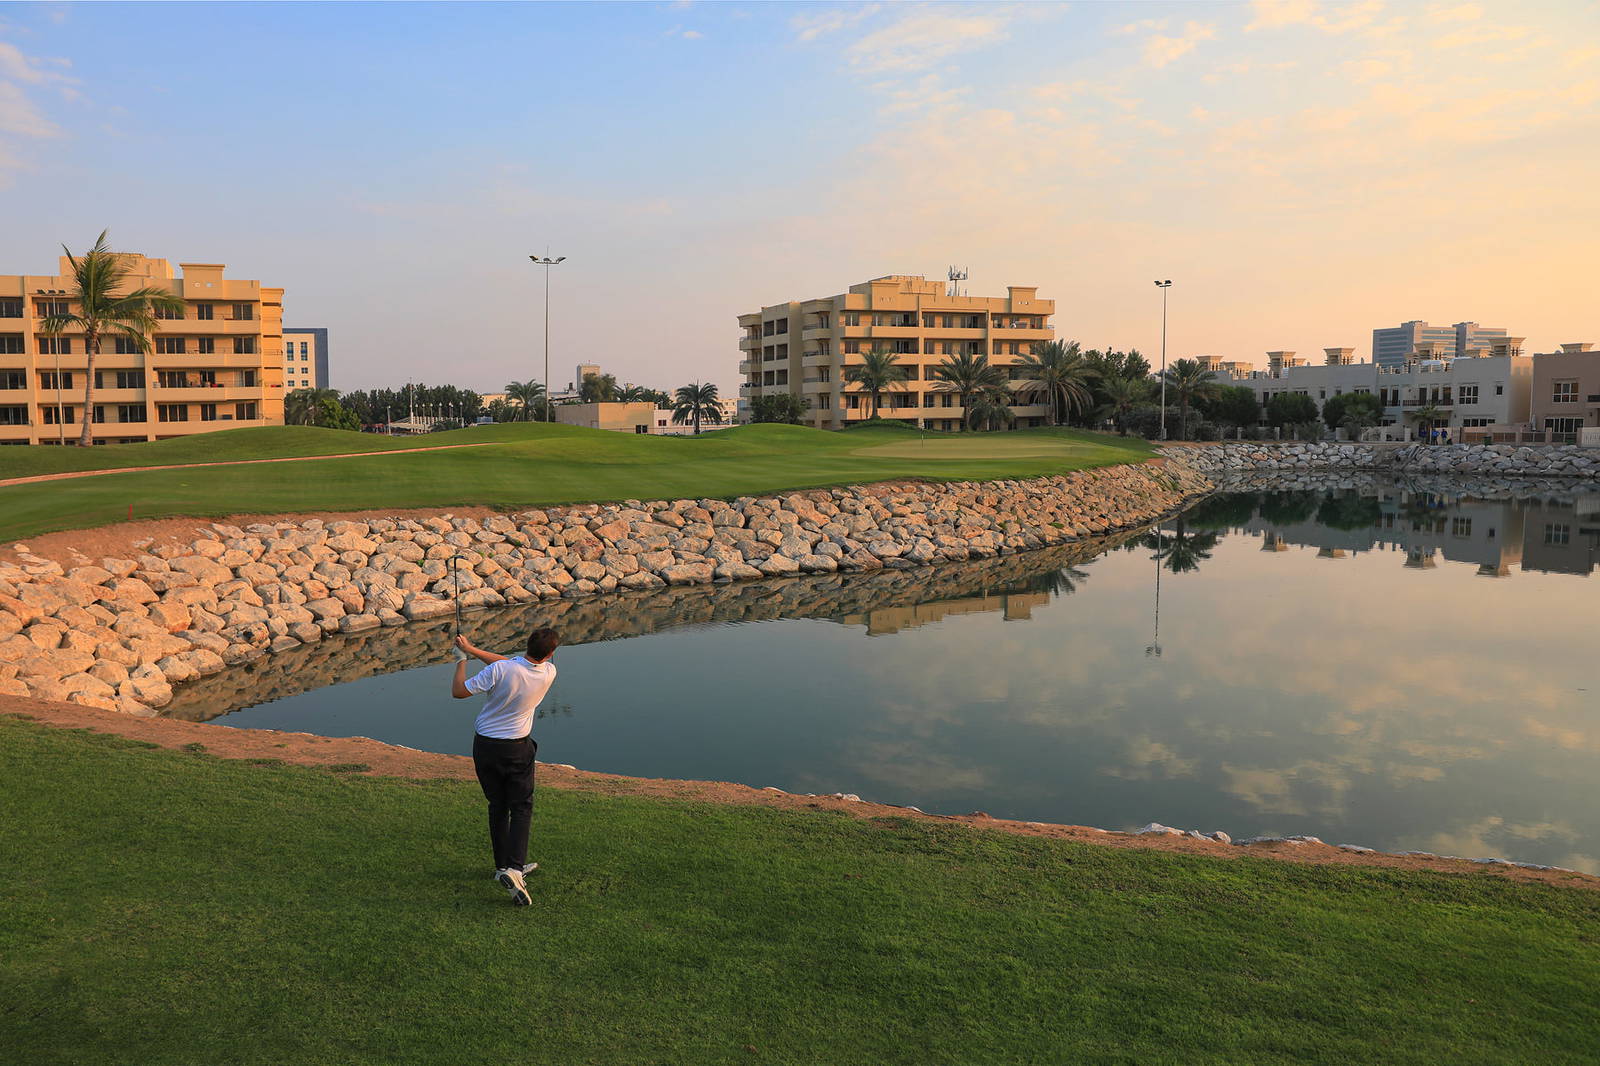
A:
1303	171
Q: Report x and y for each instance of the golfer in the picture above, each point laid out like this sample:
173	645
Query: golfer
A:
503	749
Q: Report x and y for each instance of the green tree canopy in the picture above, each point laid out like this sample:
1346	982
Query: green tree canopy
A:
1232	405
1291	408
878	371
783	408
695	404
967	376
1064	374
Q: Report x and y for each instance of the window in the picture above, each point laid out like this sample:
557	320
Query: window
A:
127	346
1461	527
1499	388
56	416
13	415
48	380
10	307
10	344
245	412
132	412
172	412
1557	534
852	318
46	308
173	379
1468	394
170	345
782	326
208	378
204	312
99	413
205	345
850	347
55	345
825	402
1563	425
244	346
247	379
170	313
208	412
767	328
302	349
13	379
244	312
1565	392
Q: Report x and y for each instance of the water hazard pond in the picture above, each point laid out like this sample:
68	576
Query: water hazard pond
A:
1403	670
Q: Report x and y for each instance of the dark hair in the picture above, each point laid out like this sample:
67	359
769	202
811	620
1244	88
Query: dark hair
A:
542	643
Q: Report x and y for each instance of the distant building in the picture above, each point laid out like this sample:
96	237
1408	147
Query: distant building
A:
807	347
305	358
665	426
1396	344
619	417
217	364
1566	390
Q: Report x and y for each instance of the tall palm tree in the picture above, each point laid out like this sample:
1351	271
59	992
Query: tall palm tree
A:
696	403
967	376
877	371
101	310
1061	370
991	408
635	394
527	395
1188	379
1122	396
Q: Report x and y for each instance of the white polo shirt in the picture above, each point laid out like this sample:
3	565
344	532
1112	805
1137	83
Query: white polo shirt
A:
515	687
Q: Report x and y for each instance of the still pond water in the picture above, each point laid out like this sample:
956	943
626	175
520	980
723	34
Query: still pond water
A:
1395	669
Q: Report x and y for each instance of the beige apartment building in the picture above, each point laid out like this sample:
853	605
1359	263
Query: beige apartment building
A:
806	347
218	365
1566	391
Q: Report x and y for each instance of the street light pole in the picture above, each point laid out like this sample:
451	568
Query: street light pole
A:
1164	286
547	263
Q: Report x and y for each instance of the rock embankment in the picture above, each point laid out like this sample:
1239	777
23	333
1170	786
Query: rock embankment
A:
119	634
1484	460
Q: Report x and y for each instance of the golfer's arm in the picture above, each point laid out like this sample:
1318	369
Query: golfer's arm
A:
458	686
485	657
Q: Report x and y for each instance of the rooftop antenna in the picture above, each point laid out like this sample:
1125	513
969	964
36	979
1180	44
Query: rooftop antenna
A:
956	276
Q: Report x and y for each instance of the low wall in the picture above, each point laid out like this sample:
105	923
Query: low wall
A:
119	634
1493	460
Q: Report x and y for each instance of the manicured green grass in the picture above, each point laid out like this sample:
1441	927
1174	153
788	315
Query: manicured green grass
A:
526	465
164	907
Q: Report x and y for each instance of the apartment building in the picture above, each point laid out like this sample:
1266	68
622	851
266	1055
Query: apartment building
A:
1395	345
1226	371
1566	390
806	347
305	358
216	365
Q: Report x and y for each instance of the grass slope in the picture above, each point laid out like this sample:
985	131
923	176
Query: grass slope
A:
529	465
184	909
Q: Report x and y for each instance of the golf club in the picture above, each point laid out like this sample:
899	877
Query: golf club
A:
455	576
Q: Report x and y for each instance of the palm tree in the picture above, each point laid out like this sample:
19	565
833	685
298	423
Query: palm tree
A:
991	408
696	403
1425	417
306	407
1122	396
1189	380
1061	370
527	395
1181	551
877	371
130	316
967	376
598	388
635	394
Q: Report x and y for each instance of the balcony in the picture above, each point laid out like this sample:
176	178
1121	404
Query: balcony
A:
814	333
749	344
748	366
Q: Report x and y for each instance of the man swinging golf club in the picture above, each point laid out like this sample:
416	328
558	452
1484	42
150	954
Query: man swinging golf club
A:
503	749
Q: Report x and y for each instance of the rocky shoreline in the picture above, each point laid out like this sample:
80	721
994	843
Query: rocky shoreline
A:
118	633
1560	461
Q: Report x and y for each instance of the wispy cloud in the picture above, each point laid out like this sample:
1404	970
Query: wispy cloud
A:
810	27
1339	18
926	36
1161	49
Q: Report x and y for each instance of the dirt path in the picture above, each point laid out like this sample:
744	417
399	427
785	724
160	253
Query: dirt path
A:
68	474
388	760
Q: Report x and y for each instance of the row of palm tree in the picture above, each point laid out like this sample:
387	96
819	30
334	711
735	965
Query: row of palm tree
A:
1056	371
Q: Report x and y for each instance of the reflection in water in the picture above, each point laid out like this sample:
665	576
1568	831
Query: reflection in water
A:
1357	680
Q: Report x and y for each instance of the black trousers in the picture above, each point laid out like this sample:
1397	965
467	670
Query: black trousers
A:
505	771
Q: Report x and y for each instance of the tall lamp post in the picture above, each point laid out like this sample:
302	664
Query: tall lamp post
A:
1164	286
547	263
